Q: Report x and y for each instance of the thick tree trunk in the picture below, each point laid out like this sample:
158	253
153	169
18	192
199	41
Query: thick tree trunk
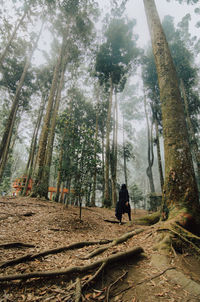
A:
49	150
38	188
180	188
107	201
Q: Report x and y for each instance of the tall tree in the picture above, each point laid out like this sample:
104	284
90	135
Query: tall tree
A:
113	63
180	189
7	135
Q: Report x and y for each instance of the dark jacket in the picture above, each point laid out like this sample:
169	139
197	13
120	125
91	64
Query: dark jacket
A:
121	206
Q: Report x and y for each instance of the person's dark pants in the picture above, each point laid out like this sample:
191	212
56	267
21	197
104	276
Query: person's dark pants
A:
121	209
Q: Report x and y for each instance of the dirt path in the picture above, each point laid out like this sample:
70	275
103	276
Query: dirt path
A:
47	225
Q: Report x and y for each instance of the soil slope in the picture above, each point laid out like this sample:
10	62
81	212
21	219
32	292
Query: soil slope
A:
45	225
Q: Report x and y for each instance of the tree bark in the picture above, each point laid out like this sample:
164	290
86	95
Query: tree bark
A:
160	169
150	149
180	188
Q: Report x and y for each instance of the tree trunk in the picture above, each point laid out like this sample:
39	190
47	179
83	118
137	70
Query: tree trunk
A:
103	166
180	188
150	149
38	188
93	198
107	201
114	153
59	175
7	135
49	150
18	24
29	166
193	140
160	170
124	156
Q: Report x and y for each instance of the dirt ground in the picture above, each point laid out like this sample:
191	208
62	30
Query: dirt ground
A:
47	225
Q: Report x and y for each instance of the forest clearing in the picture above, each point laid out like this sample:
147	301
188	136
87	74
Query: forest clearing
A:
32	226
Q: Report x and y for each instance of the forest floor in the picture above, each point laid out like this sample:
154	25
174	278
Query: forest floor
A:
47	225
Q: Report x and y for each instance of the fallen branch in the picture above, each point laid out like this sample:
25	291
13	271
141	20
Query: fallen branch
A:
113	243
30	257
75	269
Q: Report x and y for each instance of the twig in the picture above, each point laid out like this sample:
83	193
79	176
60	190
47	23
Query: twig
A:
146	280
112	284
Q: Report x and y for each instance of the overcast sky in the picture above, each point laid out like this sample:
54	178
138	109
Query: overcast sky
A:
135	9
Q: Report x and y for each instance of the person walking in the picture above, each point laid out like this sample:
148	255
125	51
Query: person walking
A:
123	205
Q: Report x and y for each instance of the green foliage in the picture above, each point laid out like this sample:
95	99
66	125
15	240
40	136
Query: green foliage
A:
79	158
116	56
180	43
5	185
135	194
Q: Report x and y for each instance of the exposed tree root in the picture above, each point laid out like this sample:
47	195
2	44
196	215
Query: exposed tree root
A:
15	245
75	269
113	243
145	280
111	221
148	219
191	244
31	257
112	284
84	283
78	290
